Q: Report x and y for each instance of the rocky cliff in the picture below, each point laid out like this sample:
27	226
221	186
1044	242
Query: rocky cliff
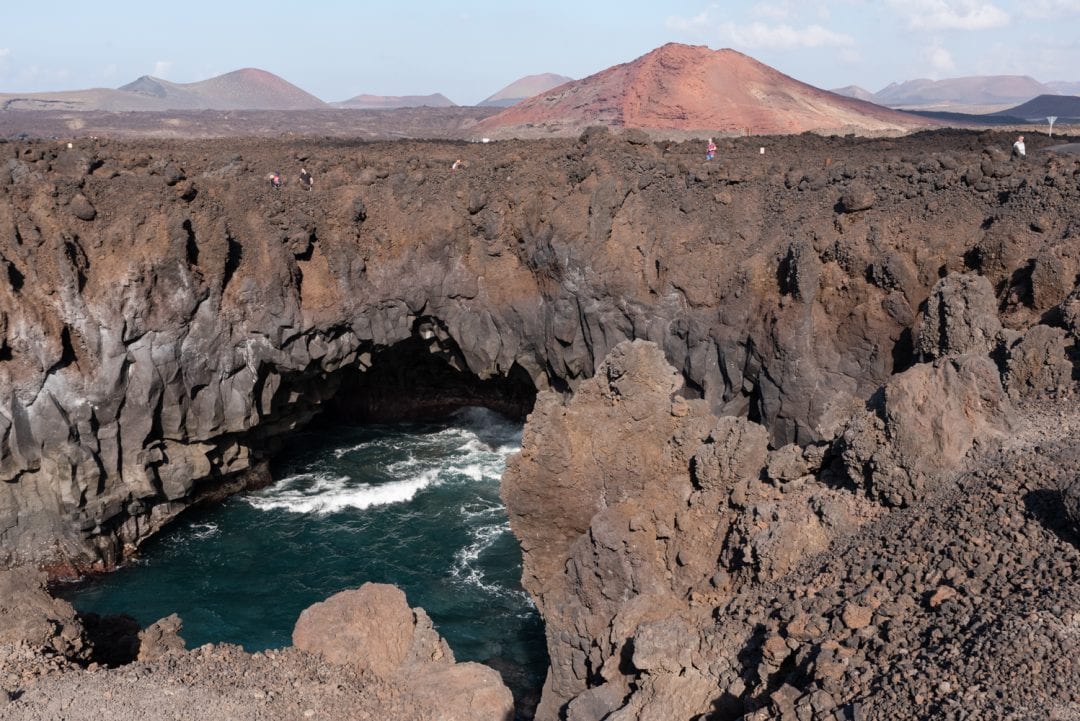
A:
166	316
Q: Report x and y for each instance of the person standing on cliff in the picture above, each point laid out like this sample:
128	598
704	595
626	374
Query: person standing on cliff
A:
305	179
1019	151
710	150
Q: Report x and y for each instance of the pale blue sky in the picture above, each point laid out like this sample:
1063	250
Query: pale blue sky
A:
470	49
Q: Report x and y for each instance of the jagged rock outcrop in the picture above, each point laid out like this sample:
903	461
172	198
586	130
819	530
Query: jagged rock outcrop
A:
30	616
683	570
637	508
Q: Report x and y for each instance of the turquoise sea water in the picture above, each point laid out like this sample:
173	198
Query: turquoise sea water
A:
413	505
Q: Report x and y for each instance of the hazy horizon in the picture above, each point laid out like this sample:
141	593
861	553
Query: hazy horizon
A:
474	48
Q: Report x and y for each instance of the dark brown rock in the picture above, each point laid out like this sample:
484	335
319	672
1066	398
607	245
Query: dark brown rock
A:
1038	364
927	420
961	317
857	197
81	208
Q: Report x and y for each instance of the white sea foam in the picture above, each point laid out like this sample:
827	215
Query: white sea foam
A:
465	568
204	530
324	494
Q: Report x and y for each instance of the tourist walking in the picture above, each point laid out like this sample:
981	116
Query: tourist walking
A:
710	150
305	179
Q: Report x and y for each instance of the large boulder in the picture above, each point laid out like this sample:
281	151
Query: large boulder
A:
923	423
372	628
961	317
1038	364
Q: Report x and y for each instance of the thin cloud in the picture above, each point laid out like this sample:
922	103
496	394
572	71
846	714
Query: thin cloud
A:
773	11
161	68
696	24
940	59
950	14
1050	9
782	37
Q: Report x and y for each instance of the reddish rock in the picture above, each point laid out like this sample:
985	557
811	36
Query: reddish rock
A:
372	628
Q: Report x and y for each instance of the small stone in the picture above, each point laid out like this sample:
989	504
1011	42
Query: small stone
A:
82	209
775	650
941	595
856	616
309	713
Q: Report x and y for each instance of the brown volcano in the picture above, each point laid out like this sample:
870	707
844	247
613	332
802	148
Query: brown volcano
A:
682	87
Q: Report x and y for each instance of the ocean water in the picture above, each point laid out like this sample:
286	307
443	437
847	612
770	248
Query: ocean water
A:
413	505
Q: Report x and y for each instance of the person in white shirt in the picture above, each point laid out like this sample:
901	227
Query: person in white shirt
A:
1018	148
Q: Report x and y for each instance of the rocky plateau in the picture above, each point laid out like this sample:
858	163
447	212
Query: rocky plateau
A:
802	420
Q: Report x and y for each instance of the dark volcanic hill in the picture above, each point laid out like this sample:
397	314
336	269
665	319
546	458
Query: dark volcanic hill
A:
680	87
523	88
245	89
388	102
1065	107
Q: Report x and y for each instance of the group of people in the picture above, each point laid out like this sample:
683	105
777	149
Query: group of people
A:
306	181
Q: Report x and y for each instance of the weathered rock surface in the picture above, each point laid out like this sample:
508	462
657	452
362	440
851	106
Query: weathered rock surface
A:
961	317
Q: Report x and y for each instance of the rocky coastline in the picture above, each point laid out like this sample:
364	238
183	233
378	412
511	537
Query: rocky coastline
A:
804	425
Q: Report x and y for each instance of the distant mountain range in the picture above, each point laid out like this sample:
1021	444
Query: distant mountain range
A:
523	89
682	87
675	87
246	89
974	94
385	102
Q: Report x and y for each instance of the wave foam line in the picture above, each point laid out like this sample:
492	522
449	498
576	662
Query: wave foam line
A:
333	494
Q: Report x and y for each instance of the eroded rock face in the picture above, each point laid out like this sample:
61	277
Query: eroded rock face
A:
657	538
634	507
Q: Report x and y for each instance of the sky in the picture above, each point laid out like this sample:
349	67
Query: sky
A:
470	49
